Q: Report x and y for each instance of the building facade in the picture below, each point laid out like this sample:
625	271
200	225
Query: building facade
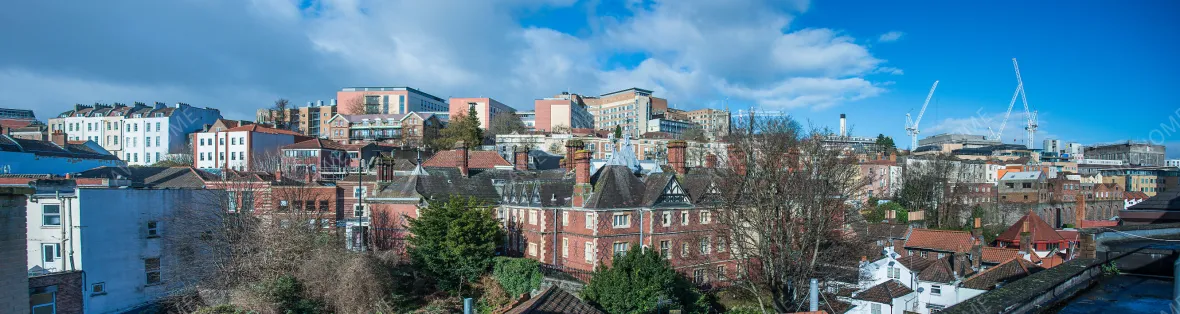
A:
629	109
387	100
715	123
408	130
245	148
1132	153
310	120
139	134
14	278
561	112
485	108
673	127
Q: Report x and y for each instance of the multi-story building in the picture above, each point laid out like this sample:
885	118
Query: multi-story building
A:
58	156
21	123
308	158
407	130
1149	180
1172	162
1023	187
126	262
244	148
563	111
715	123
1132	153
139	134
601	148
387	100
529	118
485	108
311	120
629	109
883	178
673	127
966	140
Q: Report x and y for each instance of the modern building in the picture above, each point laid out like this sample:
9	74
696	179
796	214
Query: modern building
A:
715	123
485	108
1172	162
563	111
966	140
387	100
412	129
529	118
16	114
1130	152
139	134
308	158
310	120
244	148
629	109
673	127
122	252
59	156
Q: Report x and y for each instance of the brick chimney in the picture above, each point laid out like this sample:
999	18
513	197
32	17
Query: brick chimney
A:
977	249
58	137
710	161
571	146
461	149
737	160
582	188
1026	237
1080	212
676	156
521	159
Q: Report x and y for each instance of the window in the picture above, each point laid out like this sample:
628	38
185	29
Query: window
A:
147	127
324	205
706	217
705	247
923	253
357	192
565	247
683	249
876	308
51	252
684	218
720	271
153	230
98	288
151	267
43	301
894	273
589	254
51	215
358	210
621	220
620	248
666	219
590	220
666	248
247	201
935	290
532	249
157	126
698	276
721	245
532	217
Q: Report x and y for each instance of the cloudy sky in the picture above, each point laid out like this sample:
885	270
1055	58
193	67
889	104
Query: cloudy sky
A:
1094	71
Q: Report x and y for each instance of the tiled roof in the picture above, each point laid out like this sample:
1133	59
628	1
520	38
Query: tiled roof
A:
317	143
12	123
151	177
1099	223
1040	230
1011	270
261	129
1052	260
48	148
884	292
995	255
938	271
616	187
1135	195
940	240
475	160
554	300
914	263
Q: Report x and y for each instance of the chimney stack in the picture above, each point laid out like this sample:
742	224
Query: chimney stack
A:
58	137
843	125
977	248
1026	236
1081	211
676	156
461	148
737	160
571	146
521	159
582	188
710	161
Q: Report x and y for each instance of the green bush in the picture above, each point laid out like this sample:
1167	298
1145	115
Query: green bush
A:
287	294
517	275
638	282
454	241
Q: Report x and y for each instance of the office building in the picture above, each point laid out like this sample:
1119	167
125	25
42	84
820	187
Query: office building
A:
563	111
1132	153
310	120
387	100
485	108
629	109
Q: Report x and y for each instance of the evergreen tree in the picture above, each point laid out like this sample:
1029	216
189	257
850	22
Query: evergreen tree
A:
886	143
637	282
454	241
618	132
463	127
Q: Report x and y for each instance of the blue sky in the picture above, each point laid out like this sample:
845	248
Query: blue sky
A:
1096	71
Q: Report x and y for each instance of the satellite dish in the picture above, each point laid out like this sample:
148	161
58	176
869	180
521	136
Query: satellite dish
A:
920	289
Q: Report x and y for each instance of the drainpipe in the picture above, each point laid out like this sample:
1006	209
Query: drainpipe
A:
814	295
556	212
641	248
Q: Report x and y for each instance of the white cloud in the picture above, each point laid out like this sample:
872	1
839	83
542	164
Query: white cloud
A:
694	51
890	37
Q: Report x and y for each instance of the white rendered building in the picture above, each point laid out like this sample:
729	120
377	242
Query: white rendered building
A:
138	134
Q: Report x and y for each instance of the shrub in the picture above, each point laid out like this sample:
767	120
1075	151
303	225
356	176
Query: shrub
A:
517	275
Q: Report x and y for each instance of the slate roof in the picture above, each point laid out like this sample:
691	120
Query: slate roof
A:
151	177
551	188
940	240
554	300
543	160
441	183
1011	270
48	148
616	186
317	143
884	292
475	160
1022	175
1038	229
1167	200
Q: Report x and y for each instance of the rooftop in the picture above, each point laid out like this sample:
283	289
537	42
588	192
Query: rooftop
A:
940	240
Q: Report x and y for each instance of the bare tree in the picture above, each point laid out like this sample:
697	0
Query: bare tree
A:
505	124
560	129
932	186
279	114
356	106
786	199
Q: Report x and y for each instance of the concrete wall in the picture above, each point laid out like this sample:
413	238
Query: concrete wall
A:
14	279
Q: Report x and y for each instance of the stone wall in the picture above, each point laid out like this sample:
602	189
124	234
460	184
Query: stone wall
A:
14	276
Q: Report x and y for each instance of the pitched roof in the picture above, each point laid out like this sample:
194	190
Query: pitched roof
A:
616	186
1135	195
475	160
317	143
1167	200
48	148
151	177
884	292
1021	175
995	255
554	300
1040	230
940	240
1098	223
914	263
262	129
938	271
1011	270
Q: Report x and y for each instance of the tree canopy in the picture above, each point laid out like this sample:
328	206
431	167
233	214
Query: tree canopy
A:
454	240
696	134
463	127
886	143
637	283
505	124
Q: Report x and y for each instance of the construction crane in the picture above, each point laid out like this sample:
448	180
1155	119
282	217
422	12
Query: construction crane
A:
995	135
1030	116
911	126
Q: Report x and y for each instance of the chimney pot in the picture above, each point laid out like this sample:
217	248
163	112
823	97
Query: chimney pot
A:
461	148
58	137
676	157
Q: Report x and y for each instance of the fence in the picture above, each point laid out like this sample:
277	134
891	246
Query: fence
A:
566	273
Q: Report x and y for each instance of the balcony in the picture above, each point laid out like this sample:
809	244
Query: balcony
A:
375	135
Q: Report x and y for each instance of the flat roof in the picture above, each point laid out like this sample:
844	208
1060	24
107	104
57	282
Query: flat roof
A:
626	90
390	89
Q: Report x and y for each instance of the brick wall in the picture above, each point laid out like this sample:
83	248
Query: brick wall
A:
69	289
14	278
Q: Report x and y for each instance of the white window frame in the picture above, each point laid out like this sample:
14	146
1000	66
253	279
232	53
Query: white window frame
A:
626	220
620	248
589	251
935	290
666	217
153	229
565	247
666	249
706	217
876	308
149	271
54	248
532	217
52	305
532	249
358	208
590	219
684	218
98	288
565	218
45	215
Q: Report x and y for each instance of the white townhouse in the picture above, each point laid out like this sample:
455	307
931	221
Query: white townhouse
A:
139	134
244	148
930	284
113	230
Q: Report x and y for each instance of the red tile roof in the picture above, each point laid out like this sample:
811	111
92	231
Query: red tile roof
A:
884	292
995	255
1099	223
1040	230
12	123
940	240
1135	195
475	160
1008	271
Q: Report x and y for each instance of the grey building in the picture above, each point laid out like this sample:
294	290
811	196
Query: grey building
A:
1132	153
968	140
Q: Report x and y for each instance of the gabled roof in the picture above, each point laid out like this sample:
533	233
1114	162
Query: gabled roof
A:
475	160
938	271
995	255
317	143
616	186
884	292
261	129
940	240
554	300
1011	270
151	177
1038	229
